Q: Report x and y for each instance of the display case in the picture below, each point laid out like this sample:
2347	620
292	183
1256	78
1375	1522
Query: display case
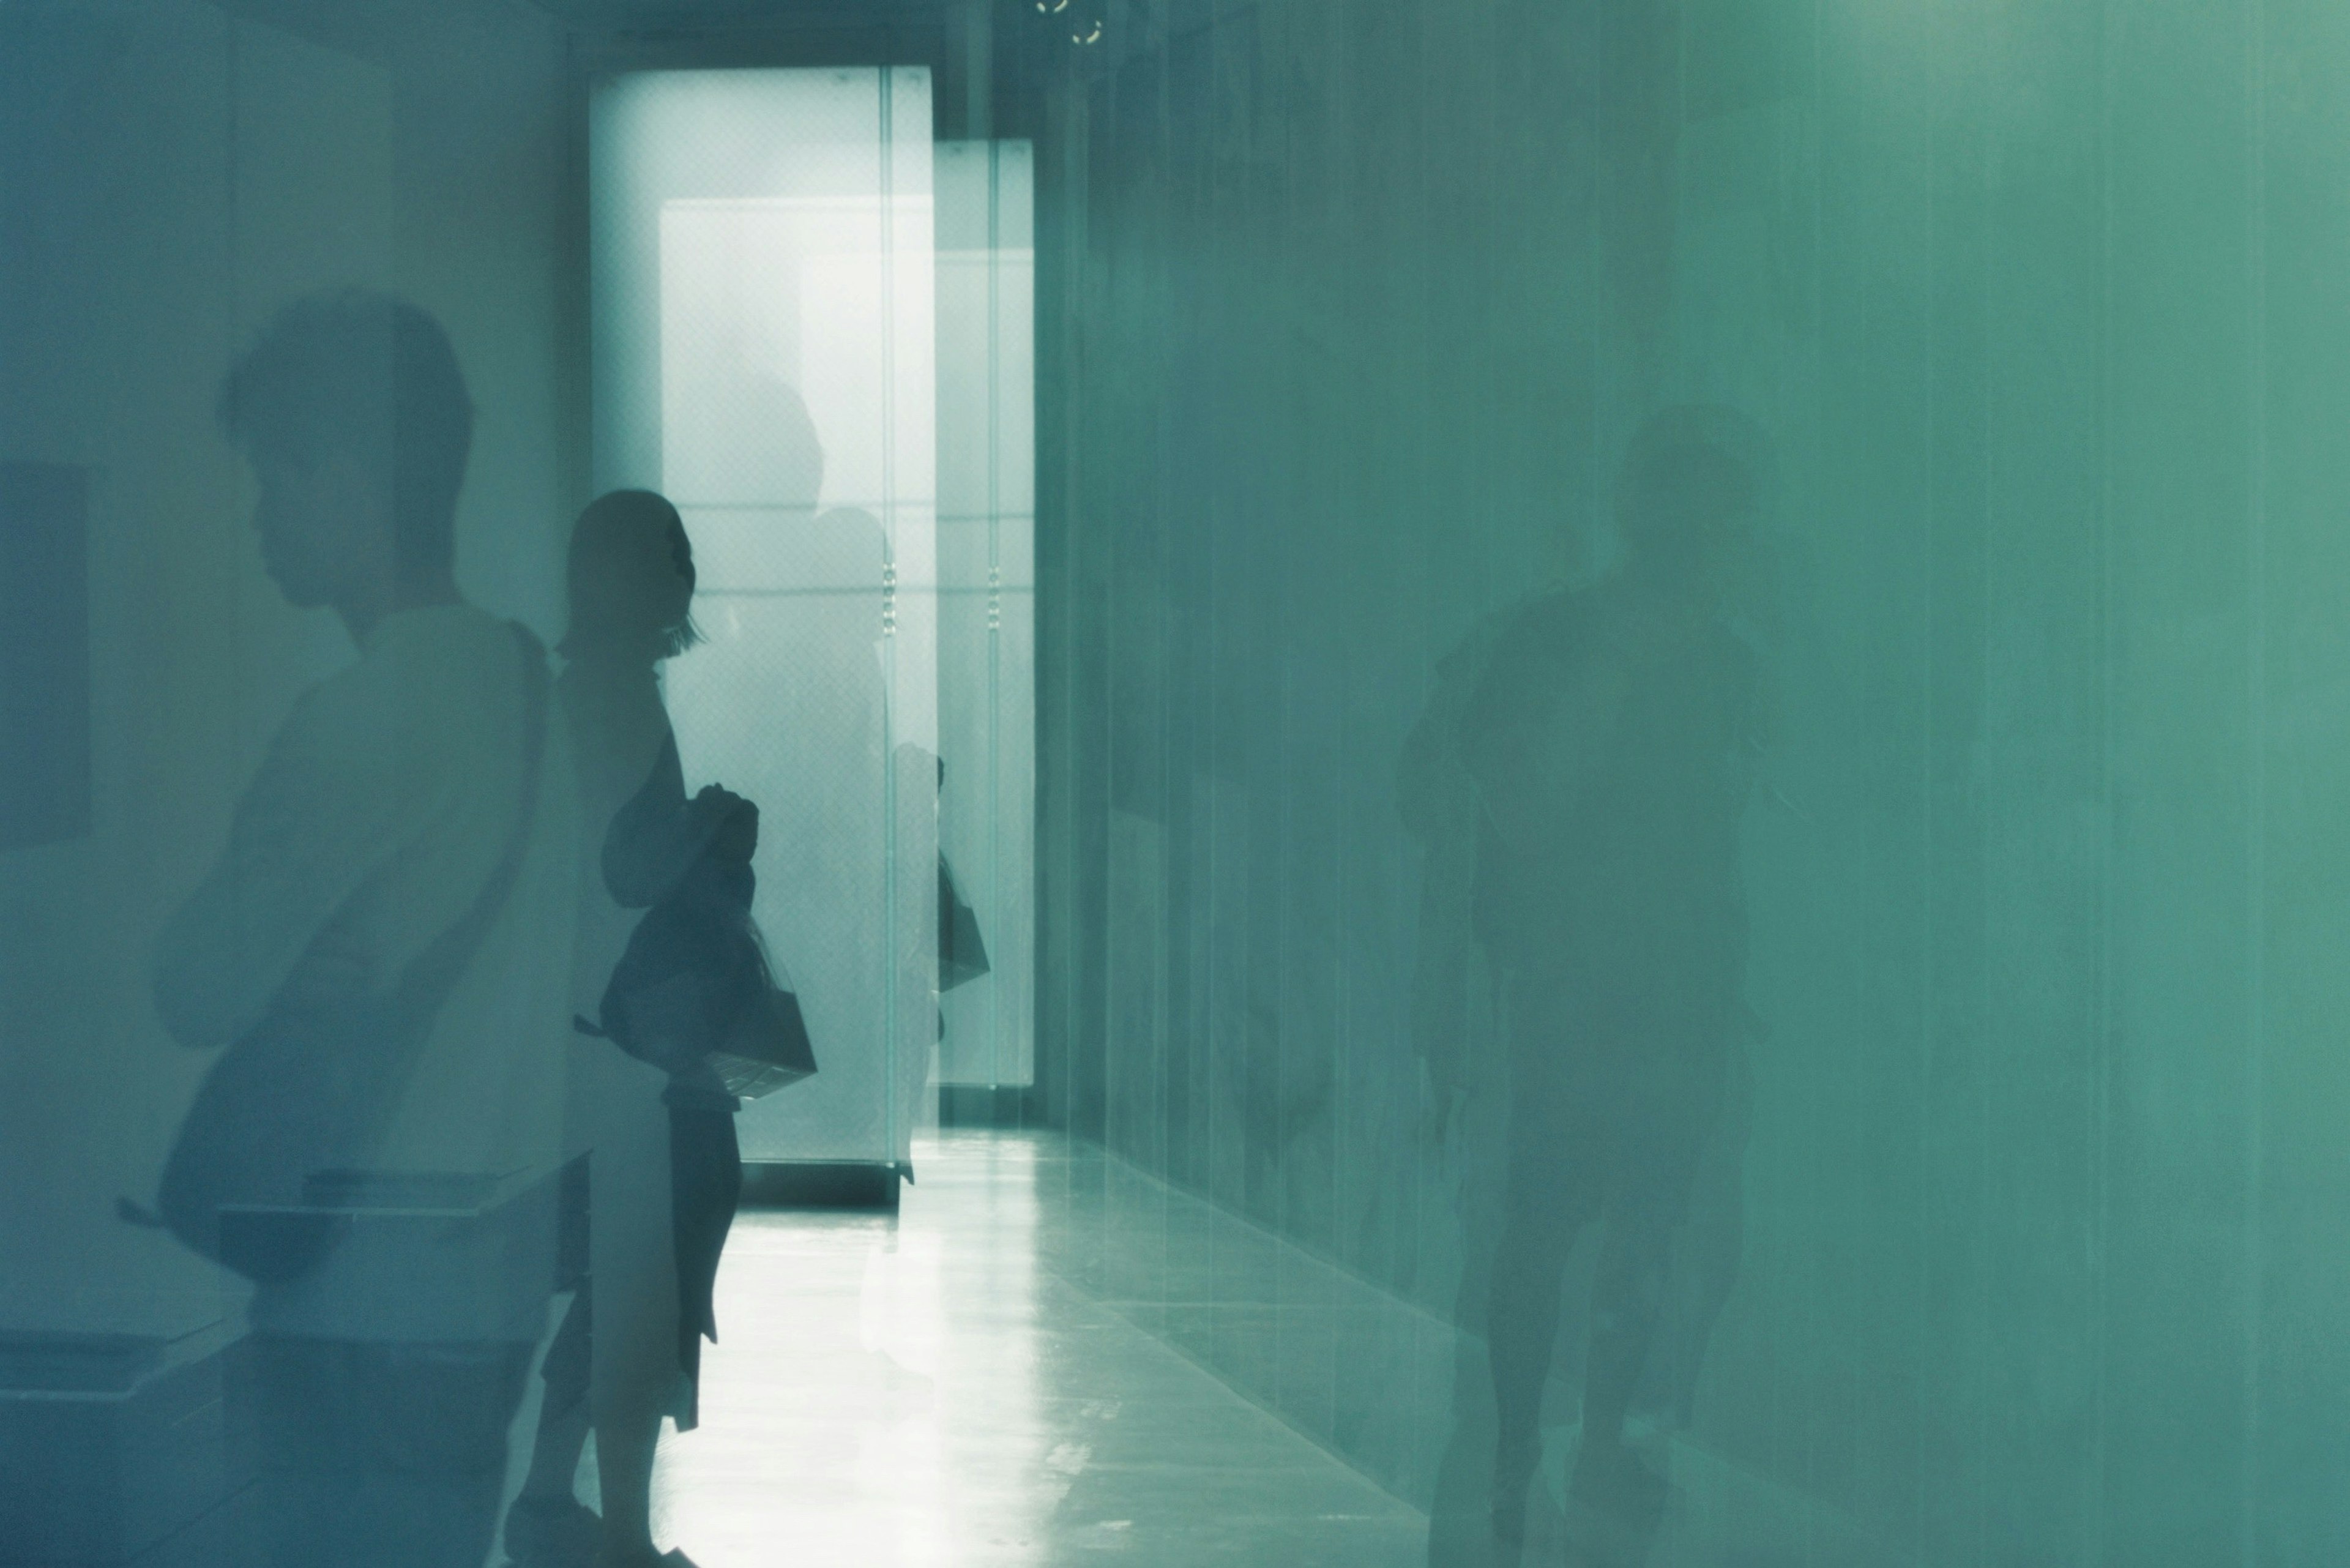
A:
121	1441
763	286
987	643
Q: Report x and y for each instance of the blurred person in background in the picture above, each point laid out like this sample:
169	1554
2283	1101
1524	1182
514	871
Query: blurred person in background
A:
1613	740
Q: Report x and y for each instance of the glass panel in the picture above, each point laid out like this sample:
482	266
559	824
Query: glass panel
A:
987	685
763	353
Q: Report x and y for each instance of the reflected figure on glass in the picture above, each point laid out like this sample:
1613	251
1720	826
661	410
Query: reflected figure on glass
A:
791	699
1456	1016
625	1357
1614	739
384	949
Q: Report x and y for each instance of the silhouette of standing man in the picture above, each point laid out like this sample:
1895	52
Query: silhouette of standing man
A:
419	795
1612	740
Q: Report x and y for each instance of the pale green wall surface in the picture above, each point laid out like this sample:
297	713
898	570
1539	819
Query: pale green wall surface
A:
171	172
1344	311
2043	304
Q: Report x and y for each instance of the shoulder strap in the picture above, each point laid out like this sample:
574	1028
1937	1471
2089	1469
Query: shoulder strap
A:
433	973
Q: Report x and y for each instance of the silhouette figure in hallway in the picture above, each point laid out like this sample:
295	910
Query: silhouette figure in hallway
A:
384	947
1612	739
1456	1017
664	1172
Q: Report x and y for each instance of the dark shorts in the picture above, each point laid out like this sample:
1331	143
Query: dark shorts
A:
1614	1098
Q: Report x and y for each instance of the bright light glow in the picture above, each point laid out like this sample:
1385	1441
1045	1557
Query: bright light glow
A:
763	293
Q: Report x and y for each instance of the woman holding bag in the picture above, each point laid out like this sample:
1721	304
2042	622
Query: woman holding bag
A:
616	1364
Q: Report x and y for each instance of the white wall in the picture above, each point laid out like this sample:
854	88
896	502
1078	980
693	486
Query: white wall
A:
170	174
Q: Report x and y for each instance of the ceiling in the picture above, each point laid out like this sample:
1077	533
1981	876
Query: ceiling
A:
730	15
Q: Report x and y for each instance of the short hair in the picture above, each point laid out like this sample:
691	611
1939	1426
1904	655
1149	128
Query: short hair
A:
370	375
1688	468
613	536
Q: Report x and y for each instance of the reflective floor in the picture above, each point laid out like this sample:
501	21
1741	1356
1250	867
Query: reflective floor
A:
926	1390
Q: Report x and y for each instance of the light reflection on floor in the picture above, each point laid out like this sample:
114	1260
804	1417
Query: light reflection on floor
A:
917	1393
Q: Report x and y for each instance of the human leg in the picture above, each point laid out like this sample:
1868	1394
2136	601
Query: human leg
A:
1522	1321
1552	1191
547	1526
1626	1300
1665	1110
1460	1526
632	1367
627	1438
1709	1251
635	1378
384	1455
706	1184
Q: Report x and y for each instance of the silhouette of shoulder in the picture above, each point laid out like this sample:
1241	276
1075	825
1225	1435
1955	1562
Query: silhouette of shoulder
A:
413	749
1546	636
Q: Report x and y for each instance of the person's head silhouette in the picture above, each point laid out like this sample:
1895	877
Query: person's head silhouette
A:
631	580
1688	495
354	416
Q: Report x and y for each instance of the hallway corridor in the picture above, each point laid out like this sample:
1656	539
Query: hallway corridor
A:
1048	1356
927	1391
1626	722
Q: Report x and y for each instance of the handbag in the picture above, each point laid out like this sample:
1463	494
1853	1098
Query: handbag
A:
962	953
695	990
293	1105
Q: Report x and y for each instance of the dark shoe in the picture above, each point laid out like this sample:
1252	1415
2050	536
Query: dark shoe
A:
553	1533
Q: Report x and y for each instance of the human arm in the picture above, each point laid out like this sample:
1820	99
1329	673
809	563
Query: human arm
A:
657	833
337	796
